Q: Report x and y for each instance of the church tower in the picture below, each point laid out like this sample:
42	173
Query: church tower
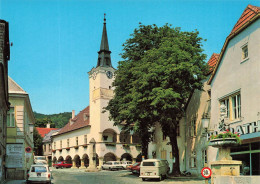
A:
100	89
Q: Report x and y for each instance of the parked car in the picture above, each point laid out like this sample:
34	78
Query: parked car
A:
39	173
62	164
40	159
130	166
136	169
154	168
112	165
126	163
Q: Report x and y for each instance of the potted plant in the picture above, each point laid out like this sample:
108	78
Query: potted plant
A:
110	144
60	149
85	145
225	139
126	145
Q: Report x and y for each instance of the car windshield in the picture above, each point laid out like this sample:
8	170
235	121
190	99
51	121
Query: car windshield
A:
40	158
39	169
148	163
116	163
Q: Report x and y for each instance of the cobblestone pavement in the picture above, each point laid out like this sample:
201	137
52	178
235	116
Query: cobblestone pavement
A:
78	176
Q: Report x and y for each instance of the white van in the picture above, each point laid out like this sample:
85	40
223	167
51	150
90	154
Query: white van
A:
154	168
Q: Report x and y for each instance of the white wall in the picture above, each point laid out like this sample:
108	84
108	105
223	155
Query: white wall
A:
233	75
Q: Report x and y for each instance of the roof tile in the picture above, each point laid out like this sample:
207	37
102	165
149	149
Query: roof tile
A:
246	16
79	121
44	131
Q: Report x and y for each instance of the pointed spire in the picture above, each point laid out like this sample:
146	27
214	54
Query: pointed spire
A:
104	58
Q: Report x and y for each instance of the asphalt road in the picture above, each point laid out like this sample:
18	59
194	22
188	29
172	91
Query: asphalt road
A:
76	176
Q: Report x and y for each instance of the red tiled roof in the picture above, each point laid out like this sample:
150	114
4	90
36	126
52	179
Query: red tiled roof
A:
213	61
79	121
246	16
44	131
250	15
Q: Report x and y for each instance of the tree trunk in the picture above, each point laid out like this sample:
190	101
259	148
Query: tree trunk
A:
145	149
175	154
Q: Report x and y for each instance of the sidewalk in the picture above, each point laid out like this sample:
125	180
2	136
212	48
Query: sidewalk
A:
15	182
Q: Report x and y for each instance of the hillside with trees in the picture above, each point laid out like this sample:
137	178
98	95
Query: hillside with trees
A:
56	120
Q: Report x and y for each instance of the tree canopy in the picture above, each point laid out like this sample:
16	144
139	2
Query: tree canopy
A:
162	66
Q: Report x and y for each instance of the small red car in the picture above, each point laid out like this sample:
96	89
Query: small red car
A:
130	166
62	164
136	168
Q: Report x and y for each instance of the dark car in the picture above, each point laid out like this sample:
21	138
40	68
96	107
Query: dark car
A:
136	168
62	164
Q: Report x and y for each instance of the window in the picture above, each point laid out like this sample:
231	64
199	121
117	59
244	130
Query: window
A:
54	145
60	144
44	147
204	156
163	154
49	147
77	141
193	161
85	139
233	106
193	128
245	52
68	142
10	118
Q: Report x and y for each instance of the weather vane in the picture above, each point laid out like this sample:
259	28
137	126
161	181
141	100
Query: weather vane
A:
104	18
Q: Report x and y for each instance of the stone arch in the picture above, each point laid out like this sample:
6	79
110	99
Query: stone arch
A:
139	158
126	157
54	160
125	137
85	160
77	160
69	159
109	135
60	159
109	157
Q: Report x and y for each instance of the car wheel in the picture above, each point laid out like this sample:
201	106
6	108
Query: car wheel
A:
102	168
57	168
143	179
110	169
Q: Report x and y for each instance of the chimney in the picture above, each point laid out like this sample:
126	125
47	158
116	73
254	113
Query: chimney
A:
73	114
48	125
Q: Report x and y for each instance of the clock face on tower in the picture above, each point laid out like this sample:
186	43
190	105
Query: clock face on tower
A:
109	74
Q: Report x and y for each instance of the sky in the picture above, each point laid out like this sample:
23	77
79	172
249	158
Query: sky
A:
55	42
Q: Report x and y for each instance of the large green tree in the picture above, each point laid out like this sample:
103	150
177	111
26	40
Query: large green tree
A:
37	140
162	66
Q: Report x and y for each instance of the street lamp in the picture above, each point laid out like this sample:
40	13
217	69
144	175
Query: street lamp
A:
205	121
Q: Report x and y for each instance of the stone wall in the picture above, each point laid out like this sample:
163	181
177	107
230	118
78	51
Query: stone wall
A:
236	179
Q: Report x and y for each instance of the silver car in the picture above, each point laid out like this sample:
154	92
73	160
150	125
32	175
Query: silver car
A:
112	165
39	173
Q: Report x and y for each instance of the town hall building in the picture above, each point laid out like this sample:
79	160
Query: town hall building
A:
90	138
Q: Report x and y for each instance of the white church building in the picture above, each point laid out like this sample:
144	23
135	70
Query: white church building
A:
89	138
